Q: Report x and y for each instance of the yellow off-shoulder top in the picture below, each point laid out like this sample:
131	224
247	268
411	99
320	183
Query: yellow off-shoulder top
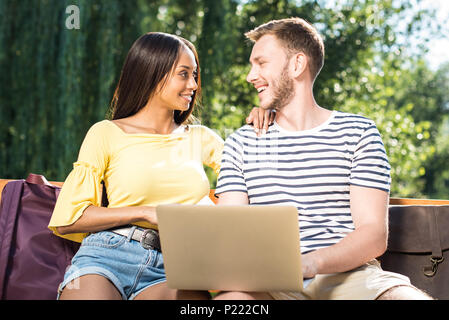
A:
138	169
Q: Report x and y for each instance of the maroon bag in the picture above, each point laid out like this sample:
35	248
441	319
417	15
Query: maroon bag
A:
32	259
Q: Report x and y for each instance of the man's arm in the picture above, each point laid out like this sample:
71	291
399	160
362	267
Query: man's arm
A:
369	210
233	198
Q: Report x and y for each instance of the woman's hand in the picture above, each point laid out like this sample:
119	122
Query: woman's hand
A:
260	119
149	214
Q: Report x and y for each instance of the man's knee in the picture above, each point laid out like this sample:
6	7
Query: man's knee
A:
404	292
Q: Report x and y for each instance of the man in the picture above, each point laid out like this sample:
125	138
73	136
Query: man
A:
331	165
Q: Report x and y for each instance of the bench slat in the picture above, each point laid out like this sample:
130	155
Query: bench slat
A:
393	201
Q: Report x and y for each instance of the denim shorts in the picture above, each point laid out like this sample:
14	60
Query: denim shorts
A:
124	262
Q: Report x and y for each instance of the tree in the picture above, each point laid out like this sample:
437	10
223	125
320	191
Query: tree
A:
56	82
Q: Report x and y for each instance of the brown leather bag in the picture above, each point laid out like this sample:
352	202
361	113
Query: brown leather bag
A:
418	247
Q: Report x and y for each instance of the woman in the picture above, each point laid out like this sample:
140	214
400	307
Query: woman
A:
146	155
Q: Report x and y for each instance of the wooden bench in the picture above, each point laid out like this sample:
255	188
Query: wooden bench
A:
393	201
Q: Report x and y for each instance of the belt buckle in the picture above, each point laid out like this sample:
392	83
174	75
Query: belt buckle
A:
145	240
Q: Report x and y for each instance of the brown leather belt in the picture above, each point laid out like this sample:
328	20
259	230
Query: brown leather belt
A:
148	238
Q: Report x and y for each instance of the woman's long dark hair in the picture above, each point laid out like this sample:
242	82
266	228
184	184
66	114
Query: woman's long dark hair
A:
149	63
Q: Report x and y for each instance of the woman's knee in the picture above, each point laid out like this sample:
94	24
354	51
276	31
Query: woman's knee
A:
90	287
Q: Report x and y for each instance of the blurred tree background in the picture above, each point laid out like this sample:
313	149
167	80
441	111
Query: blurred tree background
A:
56	82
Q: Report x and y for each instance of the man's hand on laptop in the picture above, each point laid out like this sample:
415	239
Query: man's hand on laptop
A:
309	266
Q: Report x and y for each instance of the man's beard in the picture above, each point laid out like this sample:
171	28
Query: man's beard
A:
282	91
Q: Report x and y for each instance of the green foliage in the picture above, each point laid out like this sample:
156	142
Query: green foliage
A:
55	83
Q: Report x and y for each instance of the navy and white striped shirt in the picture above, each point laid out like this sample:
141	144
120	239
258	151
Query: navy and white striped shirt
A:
311	170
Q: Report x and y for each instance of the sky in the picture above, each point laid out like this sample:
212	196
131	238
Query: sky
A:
439	47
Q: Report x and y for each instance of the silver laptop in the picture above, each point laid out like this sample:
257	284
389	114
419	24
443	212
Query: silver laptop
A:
241	248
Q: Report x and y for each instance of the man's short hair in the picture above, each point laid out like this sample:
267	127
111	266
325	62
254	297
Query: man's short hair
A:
296	35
